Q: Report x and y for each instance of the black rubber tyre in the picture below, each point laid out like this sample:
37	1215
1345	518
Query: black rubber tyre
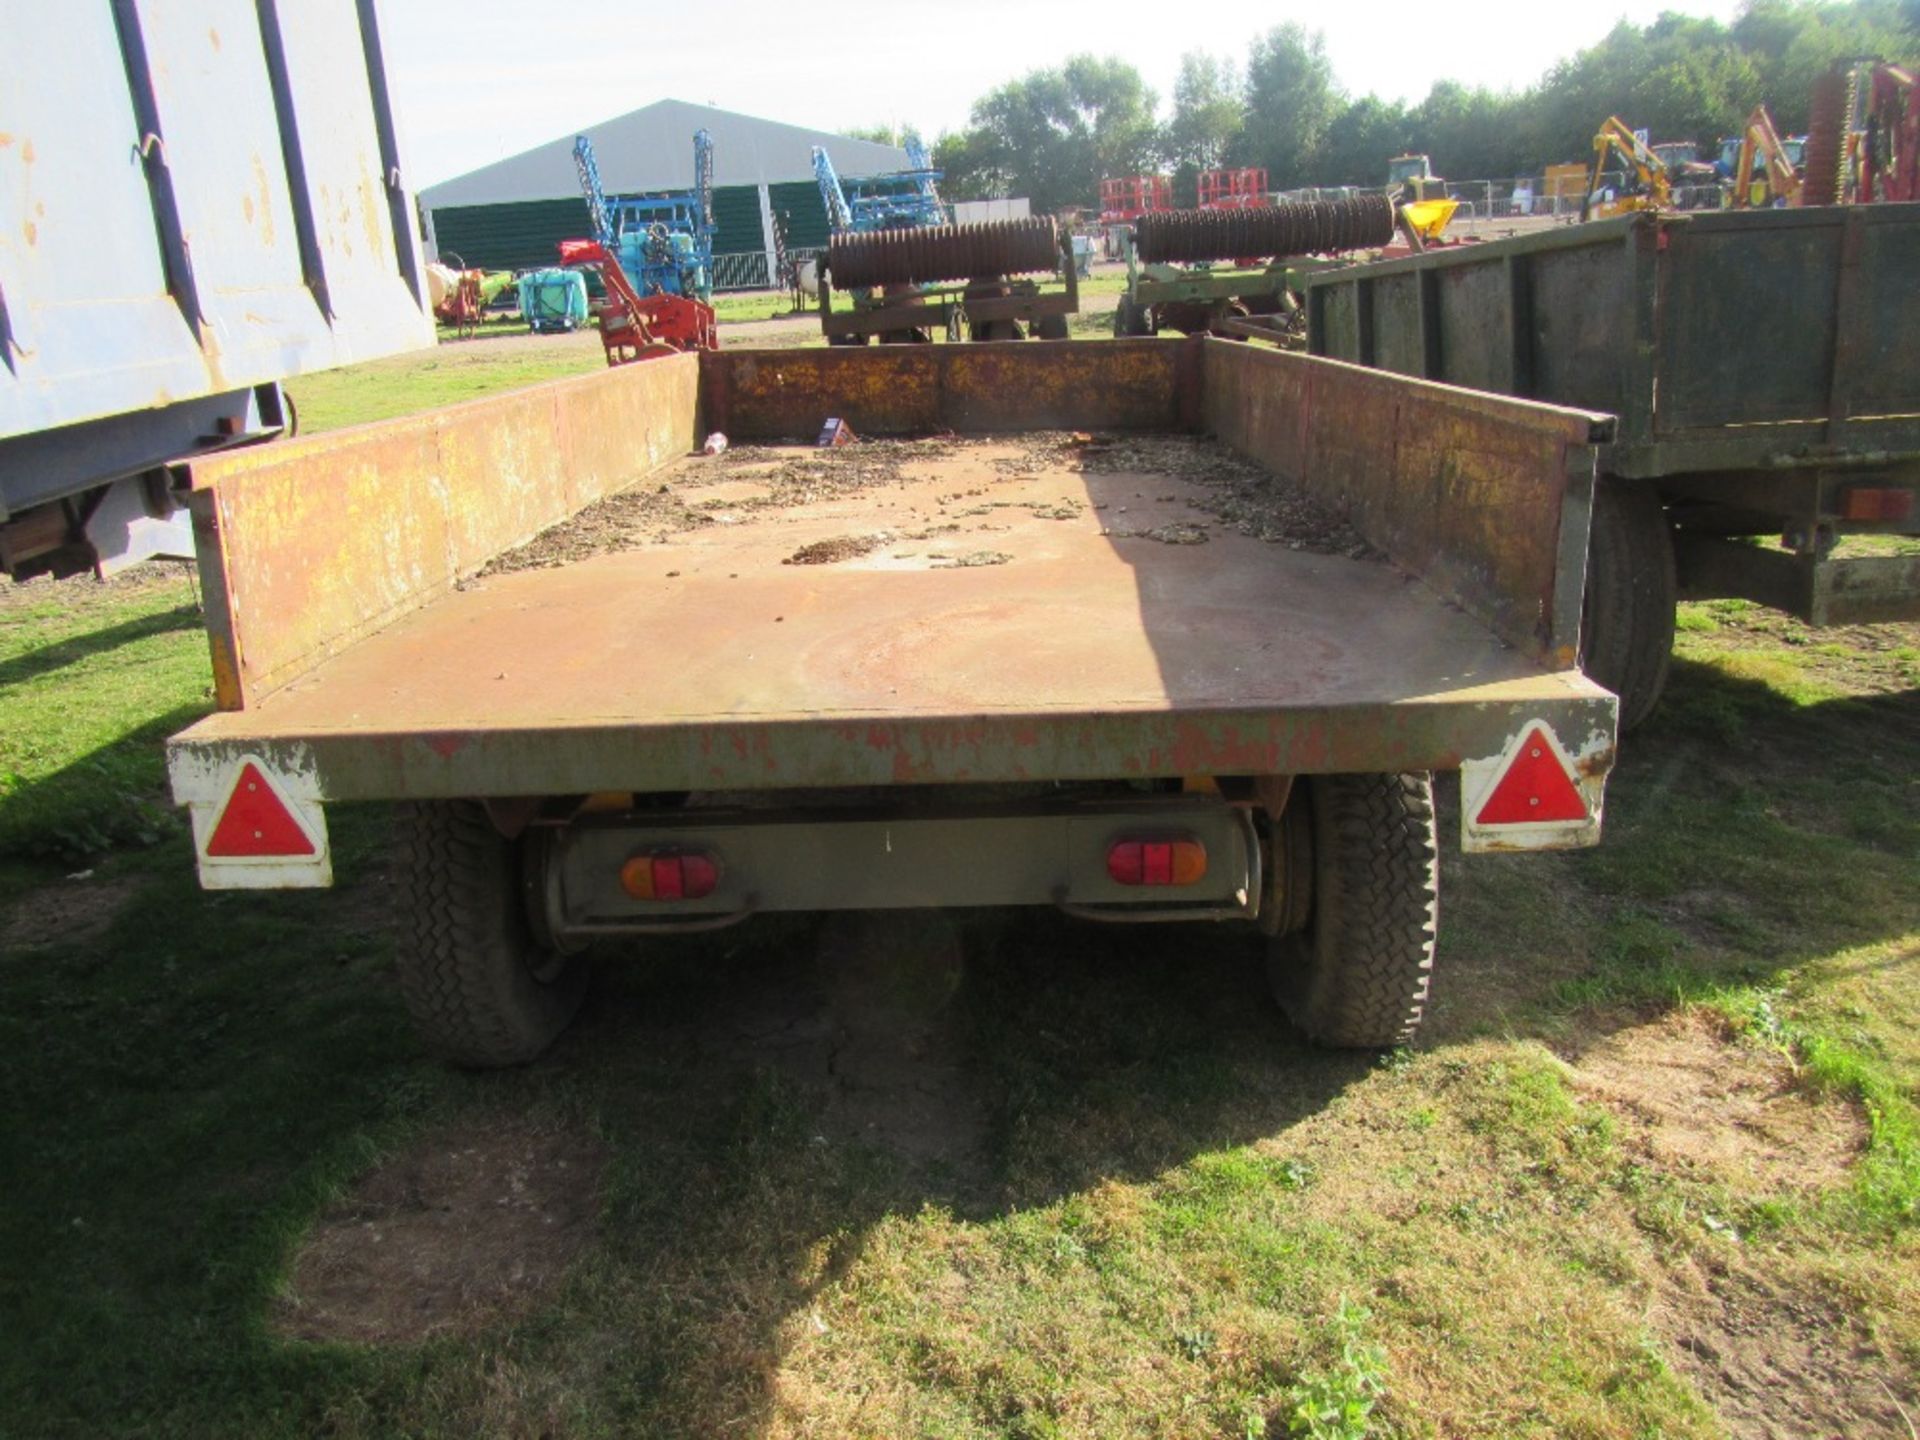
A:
1357	976
1626	621
1052	327
481	990
1131	320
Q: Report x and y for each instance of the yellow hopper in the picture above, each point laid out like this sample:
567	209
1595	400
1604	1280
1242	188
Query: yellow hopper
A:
1429	217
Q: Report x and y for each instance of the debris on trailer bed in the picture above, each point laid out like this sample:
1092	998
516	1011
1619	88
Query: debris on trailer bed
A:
1205	477
1237	492
840	547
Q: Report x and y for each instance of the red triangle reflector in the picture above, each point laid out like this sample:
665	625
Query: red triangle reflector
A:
1535	788
256	821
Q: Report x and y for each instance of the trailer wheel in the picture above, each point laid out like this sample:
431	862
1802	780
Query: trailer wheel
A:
1053	327
1357	975
481	990
1626	620
1130	319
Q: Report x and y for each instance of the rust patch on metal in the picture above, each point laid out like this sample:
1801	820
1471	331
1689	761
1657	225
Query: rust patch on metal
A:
915	389
325	540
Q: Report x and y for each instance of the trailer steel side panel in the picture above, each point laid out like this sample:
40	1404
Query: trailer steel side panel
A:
1721	340
1083	648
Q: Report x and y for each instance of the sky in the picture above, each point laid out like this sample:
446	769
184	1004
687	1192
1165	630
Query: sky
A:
484	79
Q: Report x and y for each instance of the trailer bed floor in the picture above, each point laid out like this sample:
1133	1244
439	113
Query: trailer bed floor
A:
967	623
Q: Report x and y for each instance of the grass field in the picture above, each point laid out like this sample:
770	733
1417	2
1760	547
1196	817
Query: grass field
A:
1653	1170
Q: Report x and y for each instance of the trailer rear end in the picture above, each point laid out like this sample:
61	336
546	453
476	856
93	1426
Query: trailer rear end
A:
1037	680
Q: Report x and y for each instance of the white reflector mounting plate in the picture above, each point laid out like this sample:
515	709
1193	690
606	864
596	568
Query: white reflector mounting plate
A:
1535	794
257	825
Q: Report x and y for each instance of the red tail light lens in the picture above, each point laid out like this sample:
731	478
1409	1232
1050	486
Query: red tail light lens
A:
1876	502
669	875
1157	862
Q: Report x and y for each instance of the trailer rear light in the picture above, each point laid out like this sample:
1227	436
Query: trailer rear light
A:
1876	502
1157	862
664	875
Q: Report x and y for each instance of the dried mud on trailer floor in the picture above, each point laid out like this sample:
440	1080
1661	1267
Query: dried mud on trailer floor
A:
1216	490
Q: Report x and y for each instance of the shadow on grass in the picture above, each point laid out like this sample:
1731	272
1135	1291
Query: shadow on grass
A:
19	669
185	1094
113	796
1745	835
773	1096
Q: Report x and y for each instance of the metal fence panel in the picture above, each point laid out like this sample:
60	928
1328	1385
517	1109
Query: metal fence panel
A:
747	271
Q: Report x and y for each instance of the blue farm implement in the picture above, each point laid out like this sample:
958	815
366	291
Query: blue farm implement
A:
553	301
664	242
897	200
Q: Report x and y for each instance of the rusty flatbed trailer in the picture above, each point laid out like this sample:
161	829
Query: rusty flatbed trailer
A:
1049	706
1765	369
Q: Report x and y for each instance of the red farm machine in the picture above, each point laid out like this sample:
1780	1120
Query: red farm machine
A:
1124	199
1232	189
635	326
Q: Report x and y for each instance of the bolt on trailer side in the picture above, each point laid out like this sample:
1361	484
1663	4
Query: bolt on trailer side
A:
1762	365
685	735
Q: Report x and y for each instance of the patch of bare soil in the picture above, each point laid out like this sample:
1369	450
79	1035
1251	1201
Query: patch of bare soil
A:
1724	1111
78	591
1762	1344
1780	1362
1860	659
66	912
472	1225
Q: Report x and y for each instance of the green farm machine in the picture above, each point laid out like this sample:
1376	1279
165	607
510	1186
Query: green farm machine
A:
1195	271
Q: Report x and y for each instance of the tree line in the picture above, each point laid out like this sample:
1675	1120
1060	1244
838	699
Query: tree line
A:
1054	133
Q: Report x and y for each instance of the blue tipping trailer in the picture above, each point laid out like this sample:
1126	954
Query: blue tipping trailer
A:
195	204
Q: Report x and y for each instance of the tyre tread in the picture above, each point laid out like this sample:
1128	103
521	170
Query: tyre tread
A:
464	947
1361	974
